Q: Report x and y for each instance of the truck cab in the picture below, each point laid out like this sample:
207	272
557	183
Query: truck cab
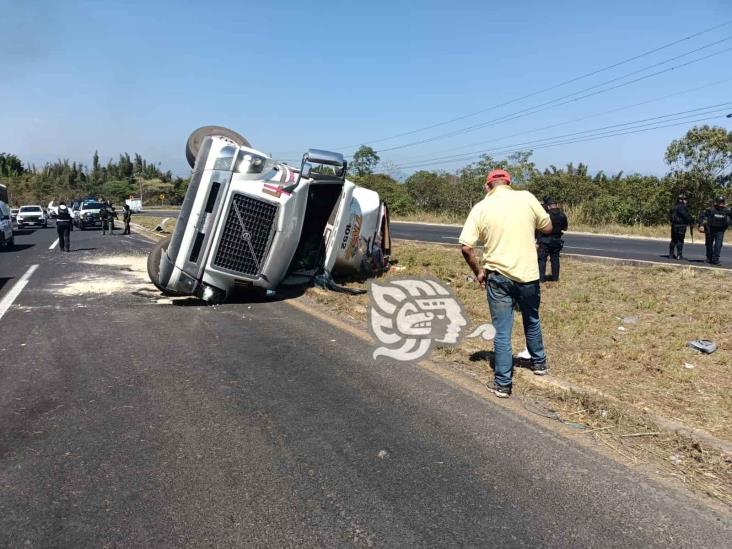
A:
250	221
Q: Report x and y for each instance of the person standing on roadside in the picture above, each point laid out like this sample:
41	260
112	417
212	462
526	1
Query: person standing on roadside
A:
680	219
126	217
504	222
63	227
713	222
550	245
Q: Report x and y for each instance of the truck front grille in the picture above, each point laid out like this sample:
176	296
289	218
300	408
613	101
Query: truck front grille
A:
246	235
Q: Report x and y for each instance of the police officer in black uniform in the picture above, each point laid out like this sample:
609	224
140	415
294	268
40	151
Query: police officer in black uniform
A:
713	222
680	219
63	227
126	217
104	217
551	244
112	216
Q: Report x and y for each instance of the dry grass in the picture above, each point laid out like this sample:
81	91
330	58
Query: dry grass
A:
642	365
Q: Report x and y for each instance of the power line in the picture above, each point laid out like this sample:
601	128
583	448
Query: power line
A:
566	99
553	87
605	131
594	115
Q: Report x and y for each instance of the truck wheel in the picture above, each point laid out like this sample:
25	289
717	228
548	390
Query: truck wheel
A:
153	265
193	144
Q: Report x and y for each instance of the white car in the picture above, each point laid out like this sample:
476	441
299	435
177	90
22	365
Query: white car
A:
249	221
31	216
7	238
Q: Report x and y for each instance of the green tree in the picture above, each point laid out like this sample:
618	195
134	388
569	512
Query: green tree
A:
701	162
10	165
364	161
428	190
390	191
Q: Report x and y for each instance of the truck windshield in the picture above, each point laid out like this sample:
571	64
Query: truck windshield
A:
26	209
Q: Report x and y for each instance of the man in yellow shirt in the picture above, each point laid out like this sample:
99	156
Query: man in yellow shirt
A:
505	222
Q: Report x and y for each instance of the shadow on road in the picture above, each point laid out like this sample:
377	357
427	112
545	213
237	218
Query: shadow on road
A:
24	232
242	296
4	280
19	247
84	249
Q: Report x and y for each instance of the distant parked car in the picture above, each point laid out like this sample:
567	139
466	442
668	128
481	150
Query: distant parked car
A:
32	216
6	226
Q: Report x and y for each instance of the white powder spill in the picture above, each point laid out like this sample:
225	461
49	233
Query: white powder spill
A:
124	274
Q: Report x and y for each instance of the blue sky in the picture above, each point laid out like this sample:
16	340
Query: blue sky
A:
139	76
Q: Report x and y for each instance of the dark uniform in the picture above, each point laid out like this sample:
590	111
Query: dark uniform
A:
551	244
126	217
104	218
714	222
112	215
680	219
63	228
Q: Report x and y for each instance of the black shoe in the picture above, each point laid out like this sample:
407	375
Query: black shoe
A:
672	256
681	258
538	368
501	391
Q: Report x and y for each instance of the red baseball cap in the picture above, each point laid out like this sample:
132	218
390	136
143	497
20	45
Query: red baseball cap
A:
496	175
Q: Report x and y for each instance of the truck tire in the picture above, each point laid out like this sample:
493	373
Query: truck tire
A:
153	265
193	144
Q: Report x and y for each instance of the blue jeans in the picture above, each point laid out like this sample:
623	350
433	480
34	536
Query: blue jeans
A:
503	293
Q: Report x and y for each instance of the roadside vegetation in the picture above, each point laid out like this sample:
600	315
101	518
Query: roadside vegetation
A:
700	163
115	181
617	330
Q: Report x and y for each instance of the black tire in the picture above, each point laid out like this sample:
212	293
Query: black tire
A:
11	242
153	266
2	241
193	144
81	226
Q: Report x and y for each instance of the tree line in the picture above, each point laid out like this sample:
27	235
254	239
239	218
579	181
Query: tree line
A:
64	180
700	163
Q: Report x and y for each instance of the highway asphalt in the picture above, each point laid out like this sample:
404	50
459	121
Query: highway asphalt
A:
575	244
131	421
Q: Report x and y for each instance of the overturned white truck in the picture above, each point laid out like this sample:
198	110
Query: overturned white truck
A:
248	221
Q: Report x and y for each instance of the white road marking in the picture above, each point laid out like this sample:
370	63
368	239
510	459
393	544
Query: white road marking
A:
14	292
52	246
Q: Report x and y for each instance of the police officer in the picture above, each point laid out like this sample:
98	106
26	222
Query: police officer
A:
112	215
126	217
104	217
551	244
680	218
713	222
63	227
